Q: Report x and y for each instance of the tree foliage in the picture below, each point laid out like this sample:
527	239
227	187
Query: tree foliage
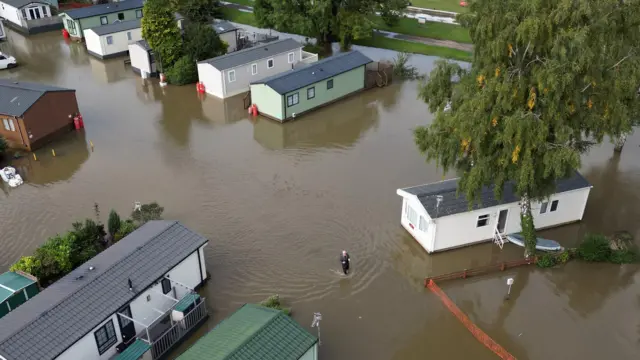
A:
160	30
183	72
126	228
3	146
202	42
549	79
199	11
326	20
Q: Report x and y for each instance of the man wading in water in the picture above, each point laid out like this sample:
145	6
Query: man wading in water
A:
345	260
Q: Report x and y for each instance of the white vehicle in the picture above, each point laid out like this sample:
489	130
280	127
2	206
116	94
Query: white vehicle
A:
8	174
7	62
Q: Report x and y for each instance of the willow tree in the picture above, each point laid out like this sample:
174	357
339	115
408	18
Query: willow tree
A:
549	79
161	31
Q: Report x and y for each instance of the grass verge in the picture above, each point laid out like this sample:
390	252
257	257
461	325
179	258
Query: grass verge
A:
433	30
239	16
446	5
414	48
375	41
241	2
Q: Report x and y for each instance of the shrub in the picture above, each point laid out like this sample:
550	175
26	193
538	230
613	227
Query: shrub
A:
564	257
624	256
147	212
113	224
26	264
273	302
183	72
594	248
126	228
547	261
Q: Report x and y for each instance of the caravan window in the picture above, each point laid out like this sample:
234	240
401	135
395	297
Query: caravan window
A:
554	205
423	225
105	337
543	207
412	215
483	220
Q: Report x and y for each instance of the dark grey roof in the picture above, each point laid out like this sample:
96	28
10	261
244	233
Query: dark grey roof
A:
102	9
451	204
63	313
143	44
17	97
20	3
116	27
222	27
334	65
250	55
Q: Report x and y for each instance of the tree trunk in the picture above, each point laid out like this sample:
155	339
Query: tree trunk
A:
528	228
619	143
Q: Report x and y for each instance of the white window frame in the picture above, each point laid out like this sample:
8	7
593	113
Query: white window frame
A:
291	57
482	218
270	61
12	125
6	124
295	99
139	11
254	69
423	224
313	90
412	215
106	20
551	208
110	40
229	75
544	207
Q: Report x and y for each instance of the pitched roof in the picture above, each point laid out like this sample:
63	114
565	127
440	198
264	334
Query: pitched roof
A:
116	27
452	204
334	65
246	56
102	9
11	283
253	332
20	3
143	44
63	313
16	97
222	27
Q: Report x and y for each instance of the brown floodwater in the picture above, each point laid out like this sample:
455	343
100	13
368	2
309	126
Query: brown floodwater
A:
279	202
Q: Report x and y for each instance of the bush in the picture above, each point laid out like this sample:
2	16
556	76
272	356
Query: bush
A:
26	264
594	248
547	261
273	302
183	72
147	212
125	229
113	224
402	69
624	256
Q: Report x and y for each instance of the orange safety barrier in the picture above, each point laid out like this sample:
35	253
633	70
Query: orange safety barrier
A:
473	329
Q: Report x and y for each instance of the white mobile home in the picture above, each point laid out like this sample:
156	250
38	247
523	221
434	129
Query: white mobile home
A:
142	60
439	220
112	40
135	299
227	33
29	16
228	75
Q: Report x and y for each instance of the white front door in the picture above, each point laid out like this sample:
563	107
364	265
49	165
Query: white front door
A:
502	220
34	13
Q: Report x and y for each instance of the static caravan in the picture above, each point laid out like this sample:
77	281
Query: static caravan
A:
228	75
30	16
76	21
15	289
134	300
255	332
227	33
142	60
112	40
289	94
439	220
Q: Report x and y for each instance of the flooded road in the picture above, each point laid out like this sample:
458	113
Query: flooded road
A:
279	202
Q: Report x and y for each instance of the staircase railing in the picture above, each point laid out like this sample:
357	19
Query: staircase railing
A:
498	238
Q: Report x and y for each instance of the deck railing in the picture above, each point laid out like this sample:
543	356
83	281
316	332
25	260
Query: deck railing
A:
178	330
45	21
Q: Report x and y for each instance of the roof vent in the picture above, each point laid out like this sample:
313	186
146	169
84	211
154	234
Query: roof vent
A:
91	268
130	284
15	82
79	277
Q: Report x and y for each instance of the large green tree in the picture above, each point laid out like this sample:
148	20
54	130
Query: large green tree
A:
549	78
326	20
160	30
198	11
202	42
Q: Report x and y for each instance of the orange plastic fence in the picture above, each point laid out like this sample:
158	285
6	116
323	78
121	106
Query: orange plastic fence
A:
473	329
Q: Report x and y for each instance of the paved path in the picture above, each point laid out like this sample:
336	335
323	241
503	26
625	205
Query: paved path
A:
417	39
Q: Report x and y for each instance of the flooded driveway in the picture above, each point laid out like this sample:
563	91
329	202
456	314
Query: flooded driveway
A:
279	202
